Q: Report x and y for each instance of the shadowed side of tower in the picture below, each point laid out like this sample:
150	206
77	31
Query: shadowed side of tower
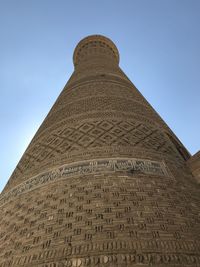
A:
104	182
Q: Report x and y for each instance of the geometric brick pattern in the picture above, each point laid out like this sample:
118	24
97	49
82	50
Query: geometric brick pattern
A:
124	217
96	134
130	165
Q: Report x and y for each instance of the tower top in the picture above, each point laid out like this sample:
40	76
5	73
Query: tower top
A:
95	46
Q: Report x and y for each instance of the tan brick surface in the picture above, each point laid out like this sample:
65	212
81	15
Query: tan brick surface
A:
104	182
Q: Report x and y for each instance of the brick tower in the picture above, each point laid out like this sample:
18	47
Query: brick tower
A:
104	182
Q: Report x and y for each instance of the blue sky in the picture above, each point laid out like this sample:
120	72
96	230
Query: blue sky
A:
158	41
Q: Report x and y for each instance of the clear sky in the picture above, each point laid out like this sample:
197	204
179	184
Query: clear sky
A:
159	45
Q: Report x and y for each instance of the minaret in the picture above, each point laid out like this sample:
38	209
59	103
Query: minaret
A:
104	182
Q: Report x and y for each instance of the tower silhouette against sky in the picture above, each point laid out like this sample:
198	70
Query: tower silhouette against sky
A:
104	182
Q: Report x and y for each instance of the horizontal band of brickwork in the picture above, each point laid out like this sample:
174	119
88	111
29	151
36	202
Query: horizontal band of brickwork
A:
106	259
131	165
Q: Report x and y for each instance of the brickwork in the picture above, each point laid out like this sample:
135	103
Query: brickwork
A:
104	182
194	165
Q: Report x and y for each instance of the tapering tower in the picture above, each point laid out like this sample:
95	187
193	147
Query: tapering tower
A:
104	182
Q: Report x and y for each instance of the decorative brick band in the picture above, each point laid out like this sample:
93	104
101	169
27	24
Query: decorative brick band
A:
131	165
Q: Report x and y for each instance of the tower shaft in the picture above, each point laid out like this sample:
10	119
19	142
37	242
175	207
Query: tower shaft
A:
104	182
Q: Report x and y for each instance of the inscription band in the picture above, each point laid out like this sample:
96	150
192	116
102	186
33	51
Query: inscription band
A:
131	165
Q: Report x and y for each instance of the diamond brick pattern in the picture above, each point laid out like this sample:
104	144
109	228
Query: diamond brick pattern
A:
98	134
103	134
